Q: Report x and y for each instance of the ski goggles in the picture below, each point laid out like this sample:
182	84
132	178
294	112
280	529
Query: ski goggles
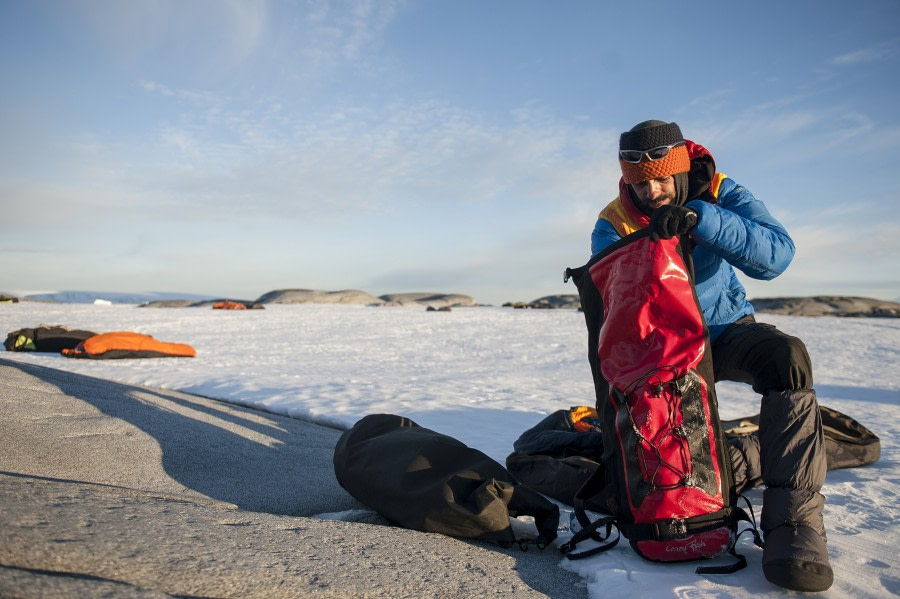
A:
652	155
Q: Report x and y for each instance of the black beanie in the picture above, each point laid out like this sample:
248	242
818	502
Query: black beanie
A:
651	134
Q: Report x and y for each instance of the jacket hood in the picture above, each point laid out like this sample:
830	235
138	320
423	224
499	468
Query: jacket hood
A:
703	169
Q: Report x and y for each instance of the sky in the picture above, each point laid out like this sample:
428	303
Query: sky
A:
231	148
486	375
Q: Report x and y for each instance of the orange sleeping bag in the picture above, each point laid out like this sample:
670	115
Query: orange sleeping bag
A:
229	305
123	344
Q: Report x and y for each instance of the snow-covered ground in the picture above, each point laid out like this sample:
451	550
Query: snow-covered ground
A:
484	375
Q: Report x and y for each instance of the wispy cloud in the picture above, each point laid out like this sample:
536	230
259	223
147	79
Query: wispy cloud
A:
260	43
711	102
202	32
222	159
196	98
796	134
873	53
338	34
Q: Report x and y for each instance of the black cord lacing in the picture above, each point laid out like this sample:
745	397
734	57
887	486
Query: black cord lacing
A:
654	381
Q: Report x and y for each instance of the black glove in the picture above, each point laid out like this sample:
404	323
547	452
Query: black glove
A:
670	221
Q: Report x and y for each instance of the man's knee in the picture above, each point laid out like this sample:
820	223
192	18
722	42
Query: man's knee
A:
789	366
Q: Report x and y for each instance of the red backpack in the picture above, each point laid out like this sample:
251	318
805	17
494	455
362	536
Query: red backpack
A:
666	475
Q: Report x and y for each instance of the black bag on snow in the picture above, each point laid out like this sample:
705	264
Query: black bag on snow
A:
666	473
431	482
557	455
561	452
45	338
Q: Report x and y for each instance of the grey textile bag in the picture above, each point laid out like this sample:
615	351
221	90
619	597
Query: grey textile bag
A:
848	444
427	481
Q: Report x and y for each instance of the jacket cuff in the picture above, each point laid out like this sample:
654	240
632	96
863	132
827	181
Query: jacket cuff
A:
708	220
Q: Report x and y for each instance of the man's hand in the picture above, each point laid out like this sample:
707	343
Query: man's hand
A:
670	221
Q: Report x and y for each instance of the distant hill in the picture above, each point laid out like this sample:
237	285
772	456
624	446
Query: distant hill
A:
549	302
827	305
354	296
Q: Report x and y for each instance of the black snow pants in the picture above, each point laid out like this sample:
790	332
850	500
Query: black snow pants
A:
792	459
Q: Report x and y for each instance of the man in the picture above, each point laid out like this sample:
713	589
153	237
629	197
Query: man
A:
669	185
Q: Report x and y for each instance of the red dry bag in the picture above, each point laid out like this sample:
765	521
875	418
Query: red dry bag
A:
666	478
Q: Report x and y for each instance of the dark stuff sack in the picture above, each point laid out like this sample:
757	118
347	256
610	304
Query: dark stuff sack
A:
427	481
45	338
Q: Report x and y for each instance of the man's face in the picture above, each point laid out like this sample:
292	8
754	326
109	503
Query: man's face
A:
653	193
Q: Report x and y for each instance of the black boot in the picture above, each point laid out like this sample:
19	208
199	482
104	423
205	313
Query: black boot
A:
792	449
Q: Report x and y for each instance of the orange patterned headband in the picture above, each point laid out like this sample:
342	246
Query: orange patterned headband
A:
676	161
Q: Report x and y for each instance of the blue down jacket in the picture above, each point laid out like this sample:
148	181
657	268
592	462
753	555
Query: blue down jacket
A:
737	232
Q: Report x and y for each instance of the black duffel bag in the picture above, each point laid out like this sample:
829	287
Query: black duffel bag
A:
427	481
